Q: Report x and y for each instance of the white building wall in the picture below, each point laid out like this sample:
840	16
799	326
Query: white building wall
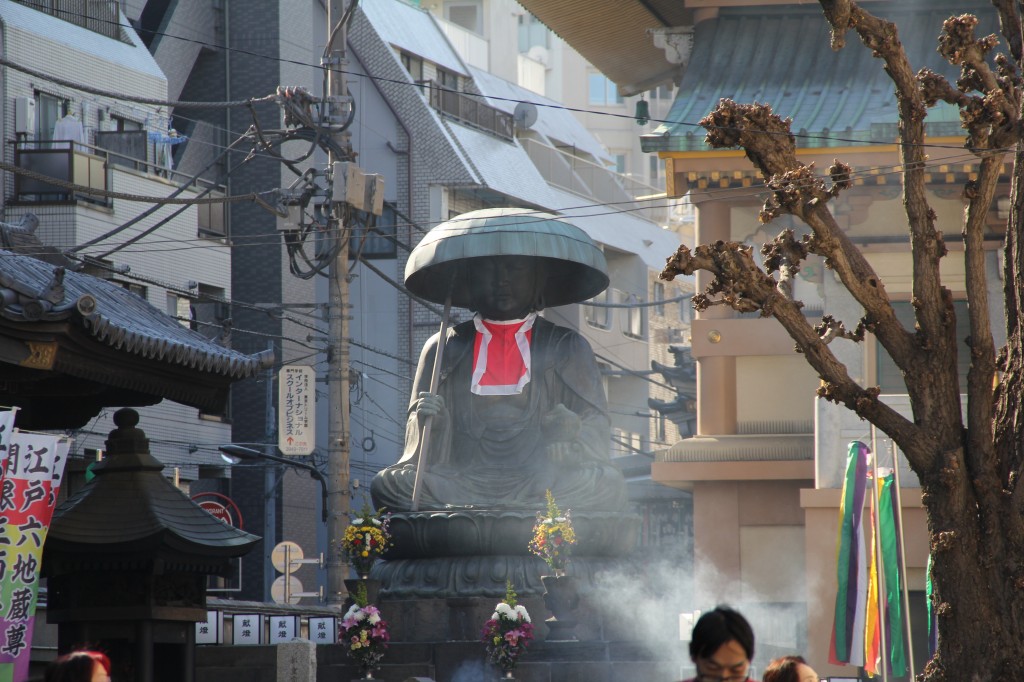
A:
167	260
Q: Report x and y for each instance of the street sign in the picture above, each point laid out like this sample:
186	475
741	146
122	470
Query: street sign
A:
220	507
285	555
296	410
286	589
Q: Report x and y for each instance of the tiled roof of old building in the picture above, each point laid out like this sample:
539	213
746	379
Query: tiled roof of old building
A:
35	291
782	56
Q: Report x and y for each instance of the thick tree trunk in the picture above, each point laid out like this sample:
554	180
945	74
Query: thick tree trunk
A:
970	473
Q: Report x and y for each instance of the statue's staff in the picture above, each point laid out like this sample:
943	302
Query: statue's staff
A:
435	379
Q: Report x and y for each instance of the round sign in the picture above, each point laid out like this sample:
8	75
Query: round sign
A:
277	589
284	553
220	507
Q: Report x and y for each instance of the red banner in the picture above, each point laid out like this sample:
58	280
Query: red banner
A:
33	466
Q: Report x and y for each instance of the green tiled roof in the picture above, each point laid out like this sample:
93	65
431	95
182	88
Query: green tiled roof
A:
781	56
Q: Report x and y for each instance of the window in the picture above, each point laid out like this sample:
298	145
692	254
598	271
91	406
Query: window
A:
602	91
379	241
468	15
121	124
686	309
598	315
660	428
134	287
447	79
620	164
209	311
659	298
889	378
655	164
414	65
49	110
634	316
180	307
532	32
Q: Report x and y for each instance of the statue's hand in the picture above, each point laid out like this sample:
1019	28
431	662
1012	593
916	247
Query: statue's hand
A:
428	405
561	427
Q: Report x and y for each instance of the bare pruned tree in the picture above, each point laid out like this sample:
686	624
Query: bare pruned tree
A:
969	467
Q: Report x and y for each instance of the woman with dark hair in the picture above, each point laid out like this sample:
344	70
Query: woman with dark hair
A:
790	669
722	646
79	666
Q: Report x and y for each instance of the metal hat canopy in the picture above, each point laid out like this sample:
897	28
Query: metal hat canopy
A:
577	269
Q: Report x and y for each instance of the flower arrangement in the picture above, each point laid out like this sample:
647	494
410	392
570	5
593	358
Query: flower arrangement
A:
364	632
553	536
508	631
366	538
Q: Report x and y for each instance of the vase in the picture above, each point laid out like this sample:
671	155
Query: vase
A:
561	596
352	585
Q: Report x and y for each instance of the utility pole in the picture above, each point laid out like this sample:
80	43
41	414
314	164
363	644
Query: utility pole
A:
338	435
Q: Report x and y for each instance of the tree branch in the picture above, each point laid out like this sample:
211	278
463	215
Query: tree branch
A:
740	282
796	190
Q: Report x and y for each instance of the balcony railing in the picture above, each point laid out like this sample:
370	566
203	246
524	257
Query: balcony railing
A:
92	166
75	166
98	16
470	110
473	49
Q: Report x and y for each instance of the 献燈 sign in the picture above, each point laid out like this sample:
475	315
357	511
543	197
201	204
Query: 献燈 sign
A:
296	410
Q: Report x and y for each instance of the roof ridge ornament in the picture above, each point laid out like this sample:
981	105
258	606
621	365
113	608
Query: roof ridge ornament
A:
676	41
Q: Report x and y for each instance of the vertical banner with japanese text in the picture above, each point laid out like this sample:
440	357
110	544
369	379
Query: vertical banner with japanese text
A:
296	410
28	492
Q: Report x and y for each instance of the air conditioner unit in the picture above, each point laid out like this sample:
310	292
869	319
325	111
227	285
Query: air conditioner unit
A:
25	116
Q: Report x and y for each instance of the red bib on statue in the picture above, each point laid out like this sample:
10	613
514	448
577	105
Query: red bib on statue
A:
501	355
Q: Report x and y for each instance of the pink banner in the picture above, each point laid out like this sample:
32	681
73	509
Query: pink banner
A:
32	472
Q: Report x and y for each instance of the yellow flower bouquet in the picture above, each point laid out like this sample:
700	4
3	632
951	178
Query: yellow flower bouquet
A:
553	536
366	539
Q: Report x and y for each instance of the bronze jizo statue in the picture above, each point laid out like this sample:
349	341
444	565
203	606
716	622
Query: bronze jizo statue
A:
519	407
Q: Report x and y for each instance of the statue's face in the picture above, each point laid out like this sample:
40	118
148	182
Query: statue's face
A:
504	287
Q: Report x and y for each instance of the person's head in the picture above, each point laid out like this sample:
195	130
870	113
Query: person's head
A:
505	287
789	669
79	666
722	645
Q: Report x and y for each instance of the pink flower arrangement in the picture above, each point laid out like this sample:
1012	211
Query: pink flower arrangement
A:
508	631
365	633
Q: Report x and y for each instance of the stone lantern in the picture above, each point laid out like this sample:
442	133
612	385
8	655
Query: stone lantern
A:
127	559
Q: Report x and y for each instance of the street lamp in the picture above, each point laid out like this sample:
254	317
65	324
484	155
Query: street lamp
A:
234	453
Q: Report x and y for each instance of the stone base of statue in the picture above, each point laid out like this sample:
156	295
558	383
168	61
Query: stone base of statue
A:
472	553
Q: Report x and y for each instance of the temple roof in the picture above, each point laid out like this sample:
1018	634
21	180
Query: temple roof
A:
71	344
781	55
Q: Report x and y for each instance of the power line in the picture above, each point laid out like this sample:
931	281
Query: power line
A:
421	86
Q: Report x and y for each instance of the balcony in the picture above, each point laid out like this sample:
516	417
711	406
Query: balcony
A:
98	16
473	49
470	110
78	166
531	74
94	167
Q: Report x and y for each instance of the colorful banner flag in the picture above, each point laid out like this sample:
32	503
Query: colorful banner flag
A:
32	477
887	524
888	528
847	644
872	633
